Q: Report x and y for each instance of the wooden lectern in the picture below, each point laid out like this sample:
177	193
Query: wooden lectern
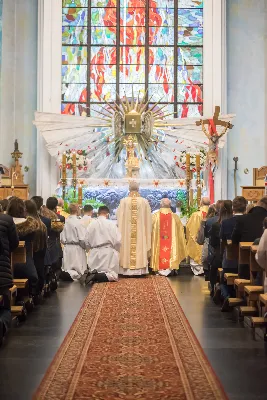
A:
12	183
256	192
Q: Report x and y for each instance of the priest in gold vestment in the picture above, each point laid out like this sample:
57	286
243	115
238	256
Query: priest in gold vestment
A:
134	222
194	250
168	240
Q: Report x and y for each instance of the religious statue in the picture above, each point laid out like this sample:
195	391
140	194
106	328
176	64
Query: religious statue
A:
213	137
132	162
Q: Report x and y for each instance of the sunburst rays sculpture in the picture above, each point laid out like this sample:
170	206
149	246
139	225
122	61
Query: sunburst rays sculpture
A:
136	128
127	136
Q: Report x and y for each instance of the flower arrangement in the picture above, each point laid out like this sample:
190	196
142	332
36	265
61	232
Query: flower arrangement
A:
81	159
203	158
186	210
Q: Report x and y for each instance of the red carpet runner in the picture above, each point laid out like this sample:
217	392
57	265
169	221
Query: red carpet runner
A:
130	340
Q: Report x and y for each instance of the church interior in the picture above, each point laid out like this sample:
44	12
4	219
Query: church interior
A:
133	199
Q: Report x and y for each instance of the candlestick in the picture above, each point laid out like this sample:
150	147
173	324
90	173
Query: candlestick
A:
74	173
188	178
64	168
198	179
74	165
80	195
64	175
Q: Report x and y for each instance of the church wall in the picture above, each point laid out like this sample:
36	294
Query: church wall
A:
19	83
246	88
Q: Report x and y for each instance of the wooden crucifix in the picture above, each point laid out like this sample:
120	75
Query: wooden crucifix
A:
214	138
215	120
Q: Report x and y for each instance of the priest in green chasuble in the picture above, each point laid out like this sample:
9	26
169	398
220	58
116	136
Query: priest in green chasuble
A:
134	222
168	240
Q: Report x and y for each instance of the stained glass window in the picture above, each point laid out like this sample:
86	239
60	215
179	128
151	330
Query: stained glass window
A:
150	47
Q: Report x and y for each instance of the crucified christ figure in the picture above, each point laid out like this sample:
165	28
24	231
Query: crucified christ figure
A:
214	138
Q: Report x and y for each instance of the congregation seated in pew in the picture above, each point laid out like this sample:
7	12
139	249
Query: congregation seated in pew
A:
26	228
9	241
226	231
248	228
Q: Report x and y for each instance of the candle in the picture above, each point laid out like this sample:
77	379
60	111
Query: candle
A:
64	161
188	161
198	162
191	197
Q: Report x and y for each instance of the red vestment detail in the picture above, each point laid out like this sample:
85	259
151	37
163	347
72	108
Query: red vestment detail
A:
165	240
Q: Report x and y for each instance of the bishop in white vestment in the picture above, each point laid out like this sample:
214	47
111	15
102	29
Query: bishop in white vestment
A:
73	240
135	224
103	239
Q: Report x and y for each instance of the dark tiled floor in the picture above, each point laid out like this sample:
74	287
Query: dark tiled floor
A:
30	348
238	360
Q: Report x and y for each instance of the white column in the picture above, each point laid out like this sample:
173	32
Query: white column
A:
49	86
214	80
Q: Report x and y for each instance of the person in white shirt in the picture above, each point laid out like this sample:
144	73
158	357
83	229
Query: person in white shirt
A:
87	215
74	254
103	239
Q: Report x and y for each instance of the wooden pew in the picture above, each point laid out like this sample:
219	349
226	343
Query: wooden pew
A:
244	252
253	292
19	256
21	286
243	258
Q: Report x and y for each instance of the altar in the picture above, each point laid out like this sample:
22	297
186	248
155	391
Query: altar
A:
109	192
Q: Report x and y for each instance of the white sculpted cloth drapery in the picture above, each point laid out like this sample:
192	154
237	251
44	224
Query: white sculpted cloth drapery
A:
63	132
103	239
143	238
74	254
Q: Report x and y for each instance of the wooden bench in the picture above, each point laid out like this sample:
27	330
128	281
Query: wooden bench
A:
244	252
239	286
18	256
252	294
230	278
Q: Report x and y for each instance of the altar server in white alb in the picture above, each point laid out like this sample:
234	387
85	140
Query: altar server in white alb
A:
73	240
87	215
103	239
135	224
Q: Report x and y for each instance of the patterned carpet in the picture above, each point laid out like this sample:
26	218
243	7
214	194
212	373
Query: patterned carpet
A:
130	340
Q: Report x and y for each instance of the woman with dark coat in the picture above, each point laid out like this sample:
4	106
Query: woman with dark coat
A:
39	242
26	228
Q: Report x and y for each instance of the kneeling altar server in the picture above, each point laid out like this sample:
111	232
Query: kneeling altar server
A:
168	240
103	239
74	254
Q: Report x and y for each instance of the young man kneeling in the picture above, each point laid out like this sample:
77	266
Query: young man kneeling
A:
103	240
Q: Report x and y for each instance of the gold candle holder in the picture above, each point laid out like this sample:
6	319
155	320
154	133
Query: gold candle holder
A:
188	176
64	175
80	195
198	180
74	173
